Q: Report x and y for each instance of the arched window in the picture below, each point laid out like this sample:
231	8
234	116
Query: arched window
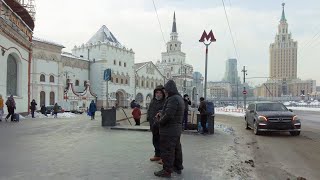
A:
147	84
117	80
111	79
152	85
77	83
52	98
142	83
119	63
52	79
85	84
42	98
126	81
125	64
114	62
121	81
12	78
42	78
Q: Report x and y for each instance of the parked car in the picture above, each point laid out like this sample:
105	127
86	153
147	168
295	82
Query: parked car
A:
271	116
50	109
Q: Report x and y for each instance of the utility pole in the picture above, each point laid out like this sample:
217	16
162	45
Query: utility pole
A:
237	94
244	87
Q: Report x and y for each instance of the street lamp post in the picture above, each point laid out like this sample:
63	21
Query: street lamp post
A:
209	38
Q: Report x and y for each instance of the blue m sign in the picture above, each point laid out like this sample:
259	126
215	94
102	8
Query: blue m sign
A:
107	75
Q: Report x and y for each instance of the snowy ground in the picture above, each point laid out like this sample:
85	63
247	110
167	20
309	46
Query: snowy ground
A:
230	111
304	109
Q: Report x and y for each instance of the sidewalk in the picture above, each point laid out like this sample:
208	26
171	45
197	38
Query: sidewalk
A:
80	149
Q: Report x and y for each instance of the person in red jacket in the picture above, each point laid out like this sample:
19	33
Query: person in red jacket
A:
136	113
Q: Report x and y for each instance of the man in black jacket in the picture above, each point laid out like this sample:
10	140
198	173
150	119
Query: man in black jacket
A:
170	122
155	107
33	105
187	102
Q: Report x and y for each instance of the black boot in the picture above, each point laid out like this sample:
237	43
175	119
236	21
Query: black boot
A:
163	173
178	171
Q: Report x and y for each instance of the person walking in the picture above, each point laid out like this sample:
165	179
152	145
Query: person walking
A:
55	110
136	113
170	121
1	107
44	110
33	105
203	115
92	109
187	102
11	105
155	107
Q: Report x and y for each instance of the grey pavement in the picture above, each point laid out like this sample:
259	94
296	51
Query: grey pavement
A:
80	149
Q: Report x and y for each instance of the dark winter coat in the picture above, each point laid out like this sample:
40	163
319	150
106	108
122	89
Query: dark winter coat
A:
186	104
43	109
33	105
155	106
173	111
56	108
11	103
202	108
92	107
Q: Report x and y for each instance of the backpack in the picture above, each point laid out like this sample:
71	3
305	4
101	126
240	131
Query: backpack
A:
210	108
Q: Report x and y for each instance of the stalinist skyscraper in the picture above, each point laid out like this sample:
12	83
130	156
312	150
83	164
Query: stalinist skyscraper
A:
283	53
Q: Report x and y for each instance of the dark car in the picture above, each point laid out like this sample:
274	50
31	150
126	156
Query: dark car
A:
271	116
50	109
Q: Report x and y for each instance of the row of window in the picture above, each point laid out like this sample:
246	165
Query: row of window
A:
43	98
120	63
51	79
146	85
119	80
43	78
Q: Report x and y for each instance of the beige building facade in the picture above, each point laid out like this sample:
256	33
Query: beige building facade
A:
283	53
283	67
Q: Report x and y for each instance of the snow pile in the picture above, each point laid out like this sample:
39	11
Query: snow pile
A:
235	114
305	109
60	115
224	128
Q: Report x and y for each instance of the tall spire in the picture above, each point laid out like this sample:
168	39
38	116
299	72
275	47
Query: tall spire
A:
283	17
174	25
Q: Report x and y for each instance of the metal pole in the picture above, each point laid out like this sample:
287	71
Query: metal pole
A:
206	71
107	105
244	87
237	95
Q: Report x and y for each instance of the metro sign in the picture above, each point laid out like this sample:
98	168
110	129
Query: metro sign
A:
244	92
209	37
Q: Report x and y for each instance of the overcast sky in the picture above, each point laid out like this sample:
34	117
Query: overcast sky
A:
134	23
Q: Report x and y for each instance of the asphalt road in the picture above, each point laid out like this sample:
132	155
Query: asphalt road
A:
279	155
310	119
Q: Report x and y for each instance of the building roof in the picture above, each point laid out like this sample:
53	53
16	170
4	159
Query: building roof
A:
283	16
139	65
70	55
21	12
47	42
174	25
104	35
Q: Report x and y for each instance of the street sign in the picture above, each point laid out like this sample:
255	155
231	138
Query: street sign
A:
244	92
209	37
107	75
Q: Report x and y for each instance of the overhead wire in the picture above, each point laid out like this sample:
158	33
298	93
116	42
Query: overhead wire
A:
233	41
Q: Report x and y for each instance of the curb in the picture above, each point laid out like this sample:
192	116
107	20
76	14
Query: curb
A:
129	129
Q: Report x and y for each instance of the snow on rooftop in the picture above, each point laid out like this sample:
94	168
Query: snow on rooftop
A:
46	41
104	35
